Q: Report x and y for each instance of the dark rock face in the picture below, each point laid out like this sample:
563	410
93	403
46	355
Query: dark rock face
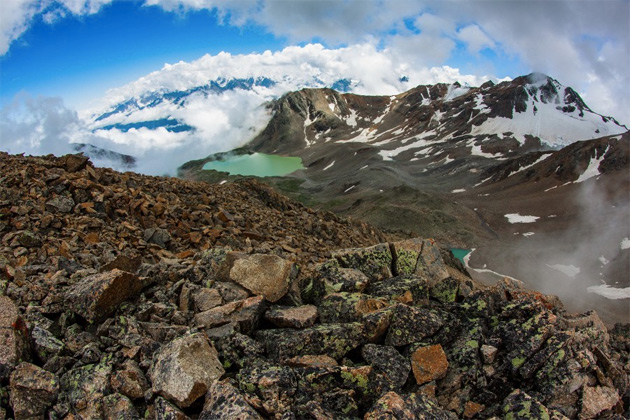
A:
356	333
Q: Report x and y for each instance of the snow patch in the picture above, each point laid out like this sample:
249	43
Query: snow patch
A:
569	270
332	107
593	168
610	292
625	243
523	168
329	166
348	189
528	234
458	190
517	218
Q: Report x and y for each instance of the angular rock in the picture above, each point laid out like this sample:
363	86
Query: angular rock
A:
390	406
29	239
375	262
429	363
430	263
247	313
445	291
405	254
119	407
274	386
97	296
164	410
410	325
330	277
83	388
224	401
261	274
130	380
206	299
124	263
292	317
60	204
311	361
488	353
596	399
32	390
184	369
45	344
13	337
408	289
347	307
376	324
160	237
393	365
520	406
75	163
334	340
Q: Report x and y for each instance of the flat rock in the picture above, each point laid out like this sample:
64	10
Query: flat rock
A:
429	363
261	274
408	289
312	361
410	325
247	313
206	299
224	401
292	316
348	307
60	204
119	407
330	278
13	340
32	390
184	369
389	361
97	296
596	399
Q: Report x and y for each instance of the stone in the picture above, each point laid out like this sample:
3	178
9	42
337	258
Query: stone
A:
292	316
311	361
429	363
83	388
224	401
130	380
330	277
45	344
124	263
521	406
261	274
95	297
206	299
29	239
407	289
60	204
119	407
75	163
411	325
246	313
375	261
334	340
160	237
393	365
430	263
597	399
347	307
405	254
13	337
445	290
390	406
471	409
32	391
184	369
488	353
164	410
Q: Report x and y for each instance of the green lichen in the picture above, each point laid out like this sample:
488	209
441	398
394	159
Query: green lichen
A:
517	362
354	377
406	262
472	344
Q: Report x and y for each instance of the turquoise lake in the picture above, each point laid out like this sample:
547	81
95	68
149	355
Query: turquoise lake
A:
257	164
460	253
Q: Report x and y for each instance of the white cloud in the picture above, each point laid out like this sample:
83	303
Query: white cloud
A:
475	38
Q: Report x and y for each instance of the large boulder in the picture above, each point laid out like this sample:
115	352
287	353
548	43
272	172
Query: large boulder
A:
32	390
261	274
224	401
292	317
13	337
429	363
95	297
246	313
410	325
375	262
184	369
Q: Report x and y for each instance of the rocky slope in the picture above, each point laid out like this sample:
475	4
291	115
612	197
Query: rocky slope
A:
126	296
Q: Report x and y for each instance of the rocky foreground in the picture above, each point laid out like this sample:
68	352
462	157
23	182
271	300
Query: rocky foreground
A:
124	296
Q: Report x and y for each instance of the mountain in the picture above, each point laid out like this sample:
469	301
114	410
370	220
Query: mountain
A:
126	296
453	162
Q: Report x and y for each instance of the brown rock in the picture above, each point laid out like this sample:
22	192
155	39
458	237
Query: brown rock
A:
430	263
224	401
13	337
471	409
164	410
119	407
429	363
130	380
390	406
293	317
246	313
312	361
33	390
597	399
75	163
488	353
97	296
184	369
124	263
206	299
267	275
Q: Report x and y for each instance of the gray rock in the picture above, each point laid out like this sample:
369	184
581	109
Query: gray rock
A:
246	313
375	262
261	274
97	296
119	407
388	361
348	307
430	263
596	399
164	410
32	391
29	239
224	401
60	204
184	369
411	325
405	254
409	289
83	388
206	299
157	236
45	344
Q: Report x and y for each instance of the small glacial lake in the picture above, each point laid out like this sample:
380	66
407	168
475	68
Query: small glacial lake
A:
460	253
257	164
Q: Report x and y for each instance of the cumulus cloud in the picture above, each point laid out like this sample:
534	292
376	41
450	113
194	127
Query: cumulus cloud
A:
475	38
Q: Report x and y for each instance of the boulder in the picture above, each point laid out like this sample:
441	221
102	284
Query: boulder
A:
597	399
521	406
411	325
164	410
246	313
60	204
261	274
430	263
75	163
83	388
184	369
45	344
375	262
13	337
29	239
224	401
32	390
206	299
130	380
119	407
347	307
388	361
429	363
408	289
160	237
410	406
95	297
292	317
405	254
330	277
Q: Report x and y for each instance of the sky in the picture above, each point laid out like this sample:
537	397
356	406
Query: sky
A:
61	60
